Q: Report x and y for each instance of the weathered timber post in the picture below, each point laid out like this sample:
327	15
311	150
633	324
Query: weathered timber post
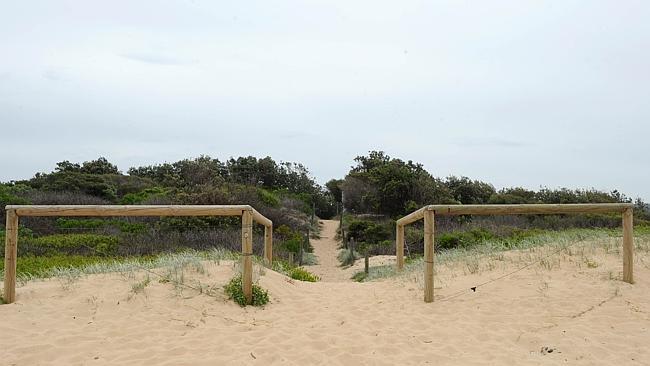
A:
399	246
268	245
11	253
301	251
428	255
247	254
628	246
366	267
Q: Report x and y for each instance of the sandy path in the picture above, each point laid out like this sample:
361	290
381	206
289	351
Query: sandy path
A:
326	249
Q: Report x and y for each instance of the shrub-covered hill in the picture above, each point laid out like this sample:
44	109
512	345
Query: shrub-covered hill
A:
284	192
379	189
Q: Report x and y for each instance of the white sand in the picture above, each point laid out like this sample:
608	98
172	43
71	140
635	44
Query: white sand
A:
585	317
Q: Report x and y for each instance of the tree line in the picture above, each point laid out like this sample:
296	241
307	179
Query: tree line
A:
379	184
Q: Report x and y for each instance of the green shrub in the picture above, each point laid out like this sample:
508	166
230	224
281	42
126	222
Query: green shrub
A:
347	257
370	232
302	274
290	240
359	276
268	198
463	239
142	196
235	291
73	244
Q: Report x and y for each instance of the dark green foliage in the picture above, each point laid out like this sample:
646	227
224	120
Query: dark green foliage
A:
379	184
302	274
462	239
334	187
143	196
369	232
562	195
467	191
235	291
290	240
268	198
8	195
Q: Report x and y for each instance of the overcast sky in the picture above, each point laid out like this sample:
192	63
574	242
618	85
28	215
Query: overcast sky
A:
516	93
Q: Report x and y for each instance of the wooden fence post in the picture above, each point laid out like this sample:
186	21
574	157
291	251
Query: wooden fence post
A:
399	246
11	253
247	255
628	246
366	262
301	250
428	255
268	245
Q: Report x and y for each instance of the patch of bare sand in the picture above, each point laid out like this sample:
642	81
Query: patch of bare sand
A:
575	310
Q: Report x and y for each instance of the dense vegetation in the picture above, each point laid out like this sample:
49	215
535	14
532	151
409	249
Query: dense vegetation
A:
284	192
380	189
377	190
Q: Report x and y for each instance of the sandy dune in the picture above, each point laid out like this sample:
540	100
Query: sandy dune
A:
576	311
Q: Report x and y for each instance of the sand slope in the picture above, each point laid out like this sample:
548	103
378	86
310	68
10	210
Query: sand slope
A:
582	315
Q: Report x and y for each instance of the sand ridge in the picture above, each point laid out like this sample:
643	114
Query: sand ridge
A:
576	313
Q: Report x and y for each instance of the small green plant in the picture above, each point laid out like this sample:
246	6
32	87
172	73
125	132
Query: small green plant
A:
302	274
102	245
235	291
139	286
359	276
347	257
591	263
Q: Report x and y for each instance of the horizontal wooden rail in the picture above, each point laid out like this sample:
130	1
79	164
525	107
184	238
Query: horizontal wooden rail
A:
130	210
529	209
248	214
258	218
429	213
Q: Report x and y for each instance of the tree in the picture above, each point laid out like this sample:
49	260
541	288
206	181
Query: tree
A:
384	185
334	187
99	166
467	191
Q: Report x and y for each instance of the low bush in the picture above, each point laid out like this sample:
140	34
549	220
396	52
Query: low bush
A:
235	291
90	244
89	224
371	232
302	274
347	257
463	239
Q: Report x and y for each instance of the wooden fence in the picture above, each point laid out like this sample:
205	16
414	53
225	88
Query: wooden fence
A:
247	213
428	213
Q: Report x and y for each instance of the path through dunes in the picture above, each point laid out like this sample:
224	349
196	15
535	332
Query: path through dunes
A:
585	317
327	249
